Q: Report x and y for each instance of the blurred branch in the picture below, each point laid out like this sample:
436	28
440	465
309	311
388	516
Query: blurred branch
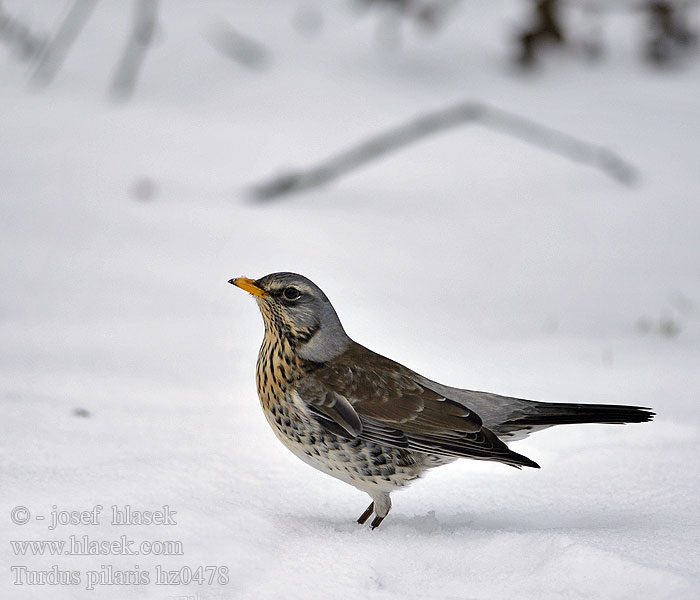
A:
670	34
56	50
417	129
144	25
238	47
430	14
544	29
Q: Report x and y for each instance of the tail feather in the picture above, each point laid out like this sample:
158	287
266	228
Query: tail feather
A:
544	414
518	461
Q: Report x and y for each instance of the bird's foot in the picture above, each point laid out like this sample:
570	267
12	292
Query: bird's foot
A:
366	515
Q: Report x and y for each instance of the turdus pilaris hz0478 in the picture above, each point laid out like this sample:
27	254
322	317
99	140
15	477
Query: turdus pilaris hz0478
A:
368	420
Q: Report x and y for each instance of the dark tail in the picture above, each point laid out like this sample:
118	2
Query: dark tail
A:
554	413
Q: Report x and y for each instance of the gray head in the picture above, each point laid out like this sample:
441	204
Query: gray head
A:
295	308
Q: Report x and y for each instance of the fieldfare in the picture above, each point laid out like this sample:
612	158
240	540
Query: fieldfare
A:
370	421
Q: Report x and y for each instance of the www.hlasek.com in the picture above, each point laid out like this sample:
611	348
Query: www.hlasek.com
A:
85	545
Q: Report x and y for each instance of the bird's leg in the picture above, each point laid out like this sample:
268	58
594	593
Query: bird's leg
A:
382	506
365	515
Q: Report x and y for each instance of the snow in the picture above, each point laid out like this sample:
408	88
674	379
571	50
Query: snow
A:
474	258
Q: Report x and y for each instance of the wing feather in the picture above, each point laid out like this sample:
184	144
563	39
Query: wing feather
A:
369	396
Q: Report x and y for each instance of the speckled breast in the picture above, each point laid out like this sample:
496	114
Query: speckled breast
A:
360	463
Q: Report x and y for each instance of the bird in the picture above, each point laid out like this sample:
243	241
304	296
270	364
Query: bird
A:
370	421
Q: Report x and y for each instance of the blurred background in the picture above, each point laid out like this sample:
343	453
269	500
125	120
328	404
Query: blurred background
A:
502	195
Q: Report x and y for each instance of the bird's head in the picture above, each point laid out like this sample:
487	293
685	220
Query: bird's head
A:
296	309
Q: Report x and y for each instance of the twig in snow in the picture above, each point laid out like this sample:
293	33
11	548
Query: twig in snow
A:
25	43
238	47
431	123
141	37
56	50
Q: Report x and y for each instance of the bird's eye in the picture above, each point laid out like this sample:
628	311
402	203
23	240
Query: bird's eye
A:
291	293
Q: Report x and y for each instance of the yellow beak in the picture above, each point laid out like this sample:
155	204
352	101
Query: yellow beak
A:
249	286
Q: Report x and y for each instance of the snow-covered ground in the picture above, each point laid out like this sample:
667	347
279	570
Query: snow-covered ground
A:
127	361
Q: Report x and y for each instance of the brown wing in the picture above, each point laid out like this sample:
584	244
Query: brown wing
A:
395	410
